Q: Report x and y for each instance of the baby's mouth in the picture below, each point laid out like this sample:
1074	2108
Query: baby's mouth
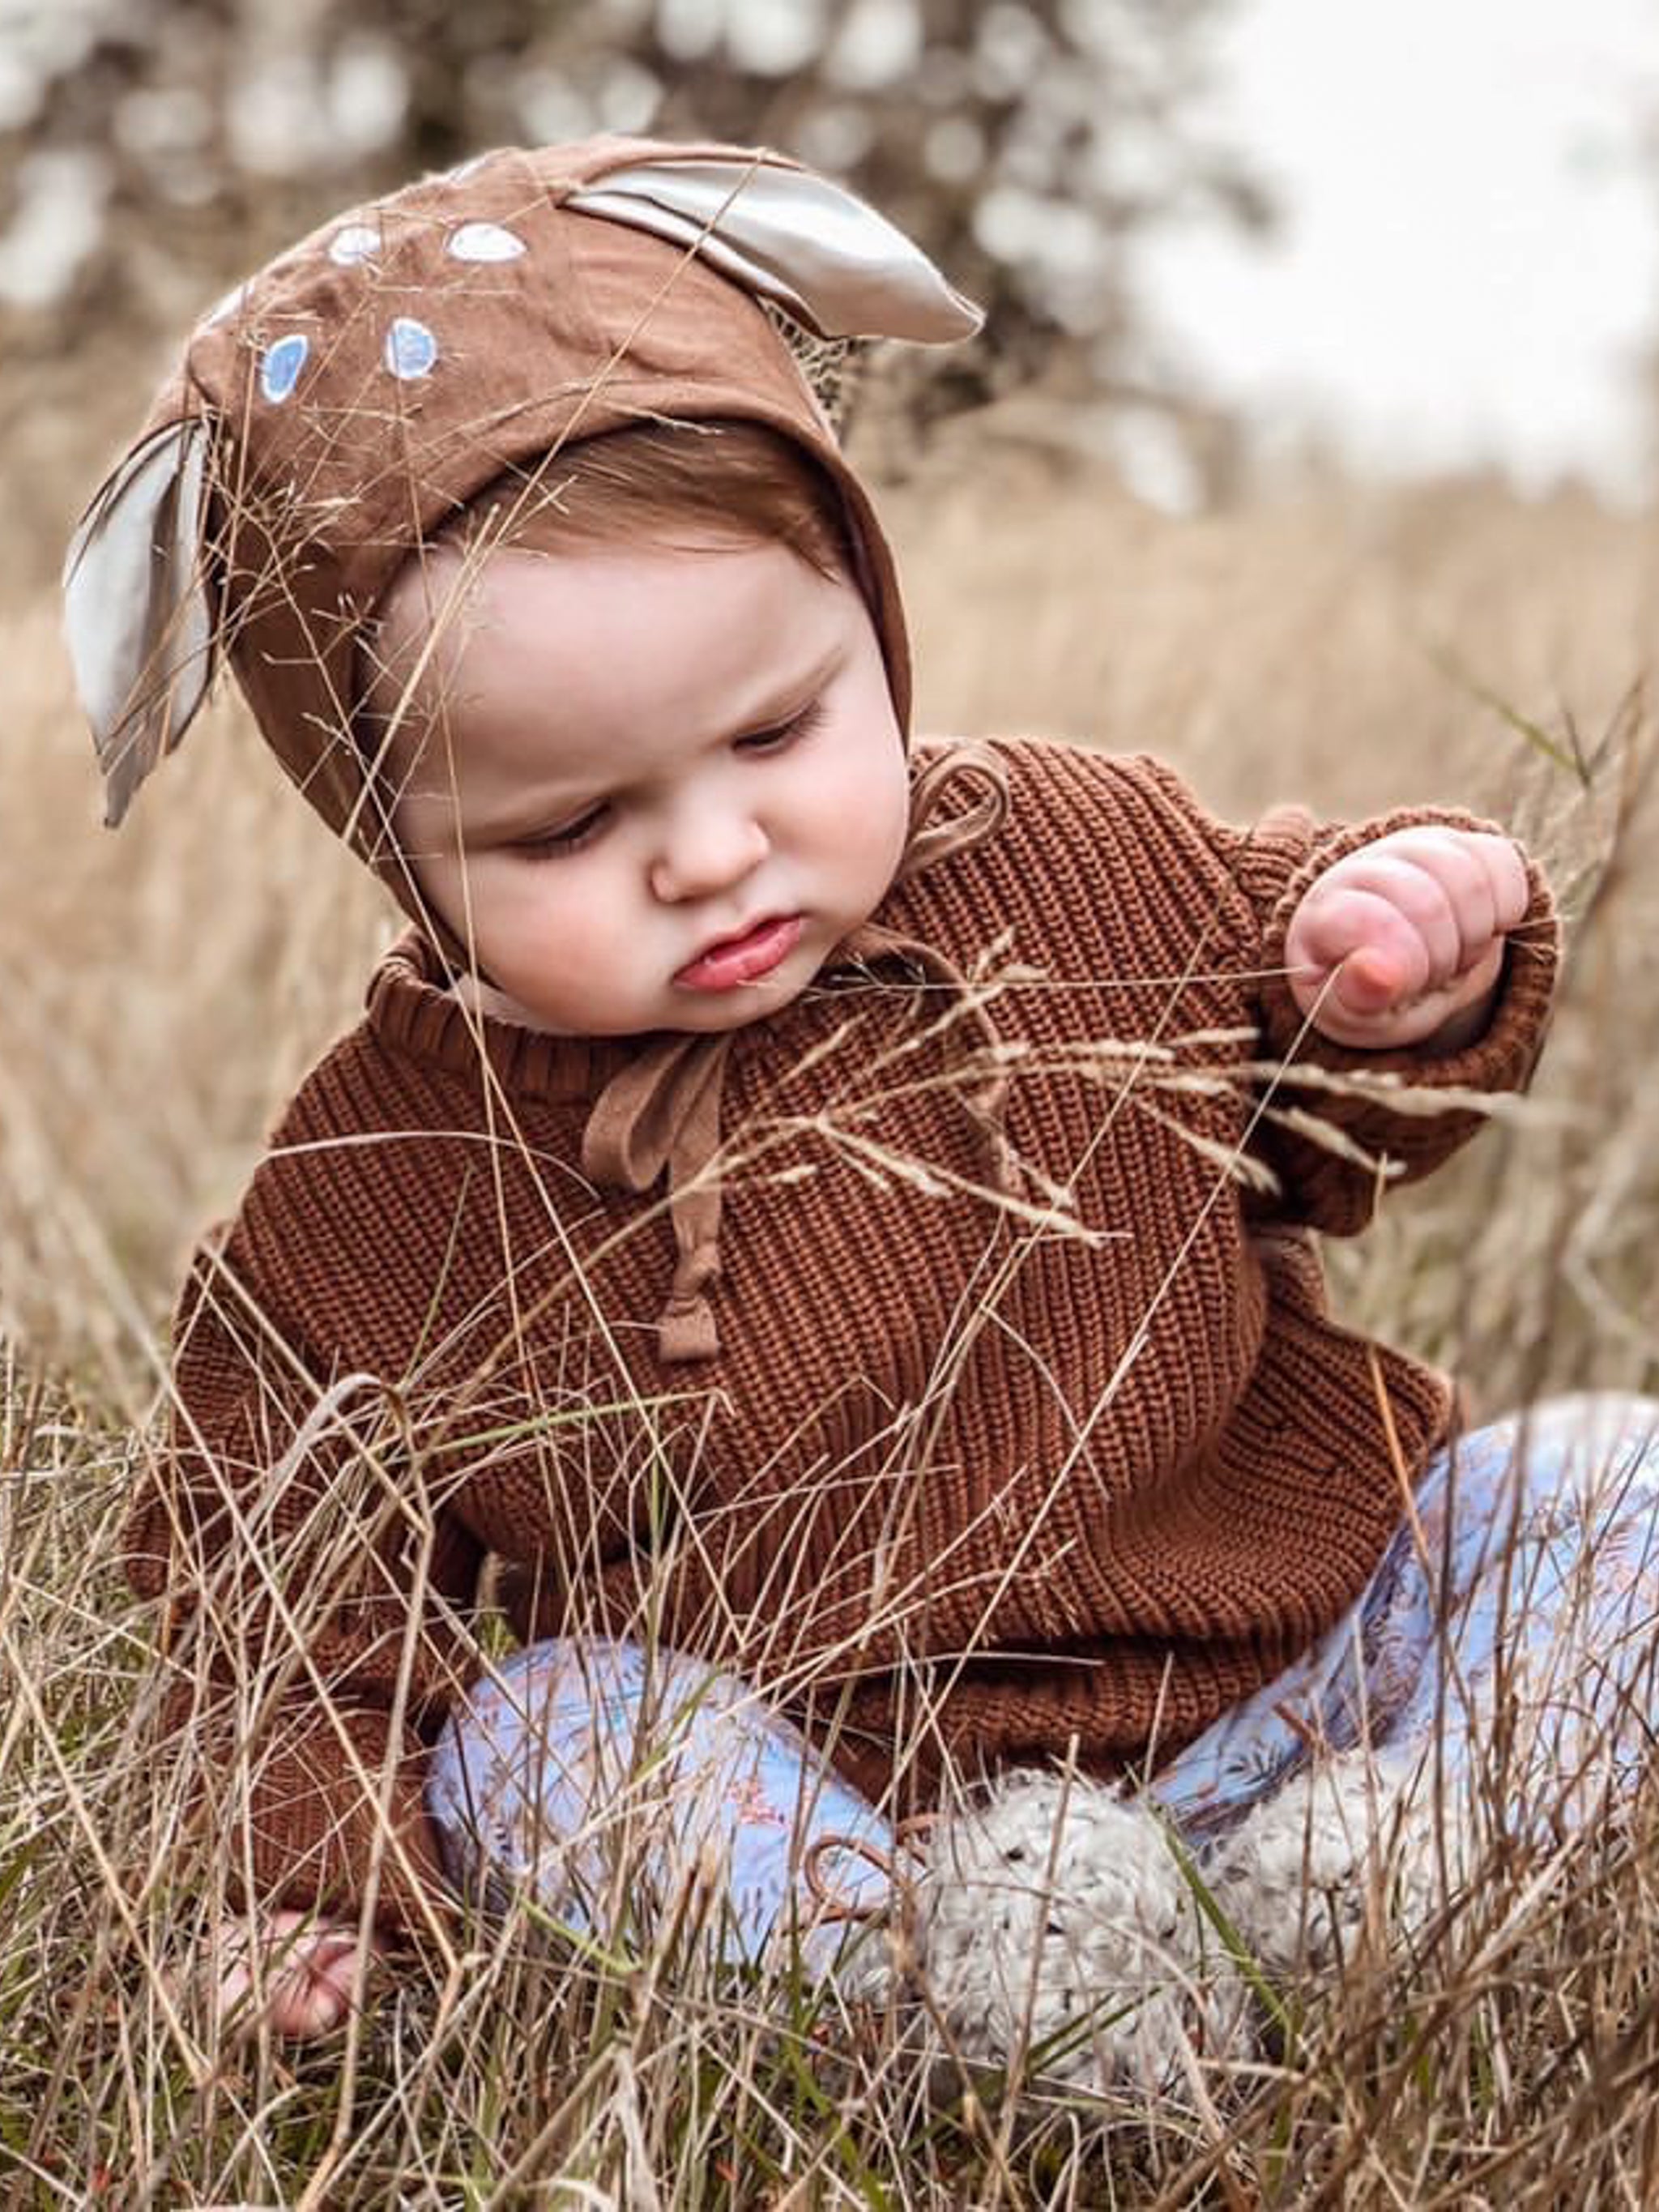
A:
732	961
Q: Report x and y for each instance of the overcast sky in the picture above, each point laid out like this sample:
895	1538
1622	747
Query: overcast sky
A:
1470	265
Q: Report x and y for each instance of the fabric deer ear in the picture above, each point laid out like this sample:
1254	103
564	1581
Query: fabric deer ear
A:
138	607
820	253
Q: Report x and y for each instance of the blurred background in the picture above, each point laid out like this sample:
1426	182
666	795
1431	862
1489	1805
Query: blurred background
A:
1214	234
1311	443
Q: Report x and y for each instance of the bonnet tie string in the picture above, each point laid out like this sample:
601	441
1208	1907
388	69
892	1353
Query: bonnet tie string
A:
660	1114
930	841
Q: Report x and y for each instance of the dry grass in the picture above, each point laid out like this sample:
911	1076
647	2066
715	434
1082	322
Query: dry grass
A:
165	991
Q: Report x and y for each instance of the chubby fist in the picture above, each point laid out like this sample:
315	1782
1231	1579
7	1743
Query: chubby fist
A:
1401	943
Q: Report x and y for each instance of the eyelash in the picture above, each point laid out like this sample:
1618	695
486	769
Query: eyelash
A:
799	725
557	842
762	744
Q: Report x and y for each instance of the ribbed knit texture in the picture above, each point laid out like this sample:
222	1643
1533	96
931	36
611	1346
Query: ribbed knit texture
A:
968	1481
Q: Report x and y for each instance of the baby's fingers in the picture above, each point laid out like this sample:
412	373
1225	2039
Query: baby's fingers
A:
309	1992
308	1972
1462	888
1355	946
1506	871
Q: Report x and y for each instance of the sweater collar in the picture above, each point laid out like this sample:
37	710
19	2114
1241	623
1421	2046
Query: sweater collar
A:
656	1099
413	1009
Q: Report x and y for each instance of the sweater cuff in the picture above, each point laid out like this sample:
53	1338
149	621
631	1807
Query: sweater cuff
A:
301	1814
1501	1058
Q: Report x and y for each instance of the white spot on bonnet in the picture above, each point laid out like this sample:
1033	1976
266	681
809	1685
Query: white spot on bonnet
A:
485	241
353	242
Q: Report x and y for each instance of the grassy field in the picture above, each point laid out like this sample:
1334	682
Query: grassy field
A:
166	989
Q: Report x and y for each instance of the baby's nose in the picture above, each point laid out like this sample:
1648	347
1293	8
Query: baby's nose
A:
705	854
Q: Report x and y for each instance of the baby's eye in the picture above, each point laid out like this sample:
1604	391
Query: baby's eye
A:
570	838
773	741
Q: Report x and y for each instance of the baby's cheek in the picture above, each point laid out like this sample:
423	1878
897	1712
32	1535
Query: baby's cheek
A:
582	938
864	815
549	942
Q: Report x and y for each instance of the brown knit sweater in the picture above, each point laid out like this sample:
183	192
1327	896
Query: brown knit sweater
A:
976	1474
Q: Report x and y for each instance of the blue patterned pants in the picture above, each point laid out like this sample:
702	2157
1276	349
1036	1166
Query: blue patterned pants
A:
1524	1579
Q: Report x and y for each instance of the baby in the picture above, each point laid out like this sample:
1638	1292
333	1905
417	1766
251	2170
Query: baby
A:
835	1206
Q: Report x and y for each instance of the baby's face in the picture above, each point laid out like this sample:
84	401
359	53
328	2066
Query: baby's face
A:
654	788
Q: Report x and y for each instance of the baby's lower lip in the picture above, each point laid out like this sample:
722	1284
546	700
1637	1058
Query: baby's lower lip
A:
742	959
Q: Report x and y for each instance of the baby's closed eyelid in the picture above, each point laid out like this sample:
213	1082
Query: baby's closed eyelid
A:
572	837
575	835
798	725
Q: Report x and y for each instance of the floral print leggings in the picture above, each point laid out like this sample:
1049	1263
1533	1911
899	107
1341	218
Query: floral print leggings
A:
1524	1580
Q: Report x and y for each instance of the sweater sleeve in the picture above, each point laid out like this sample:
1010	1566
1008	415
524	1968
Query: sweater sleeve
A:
1337	1122
316	1591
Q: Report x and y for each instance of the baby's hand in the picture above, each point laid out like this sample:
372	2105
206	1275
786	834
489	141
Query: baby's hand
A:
1401	943
310	1970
